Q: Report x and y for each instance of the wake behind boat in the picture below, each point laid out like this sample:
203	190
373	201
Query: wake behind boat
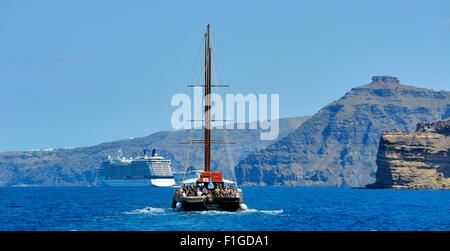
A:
209	191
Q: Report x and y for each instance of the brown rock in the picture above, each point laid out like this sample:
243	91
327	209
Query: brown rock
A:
414	160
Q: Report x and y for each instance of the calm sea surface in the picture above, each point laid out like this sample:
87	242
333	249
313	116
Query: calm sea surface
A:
270	208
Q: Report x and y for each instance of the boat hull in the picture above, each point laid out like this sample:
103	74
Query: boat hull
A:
139	182
218	204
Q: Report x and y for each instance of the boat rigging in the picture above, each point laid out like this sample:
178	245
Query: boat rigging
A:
210	191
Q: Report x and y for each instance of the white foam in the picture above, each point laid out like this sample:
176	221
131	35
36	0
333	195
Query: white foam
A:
214	212
147	210
272	212
153	210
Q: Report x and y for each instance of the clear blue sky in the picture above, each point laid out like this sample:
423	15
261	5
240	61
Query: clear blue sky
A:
76	73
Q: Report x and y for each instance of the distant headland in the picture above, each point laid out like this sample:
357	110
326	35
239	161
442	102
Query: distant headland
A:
415	160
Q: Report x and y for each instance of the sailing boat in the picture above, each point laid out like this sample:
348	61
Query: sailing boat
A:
209	191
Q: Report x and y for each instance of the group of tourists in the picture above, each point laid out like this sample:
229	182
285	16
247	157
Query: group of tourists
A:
220	191
225	192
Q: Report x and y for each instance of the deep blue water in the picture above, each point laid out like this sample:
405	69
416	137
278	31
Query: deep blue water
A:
270	208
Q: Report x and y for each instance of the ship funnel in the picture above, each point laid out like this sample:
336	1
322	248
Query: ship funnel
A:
154	153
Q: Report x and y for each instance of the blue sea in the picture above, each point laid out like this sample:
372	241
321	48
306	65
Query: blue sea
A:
270	208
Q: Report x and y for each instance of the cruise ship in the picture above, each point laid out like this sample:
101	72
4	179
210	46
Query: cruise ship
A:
144	170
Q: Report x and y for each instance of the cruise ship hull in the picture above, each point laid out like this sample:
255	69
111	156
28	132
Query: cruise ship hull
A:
157	182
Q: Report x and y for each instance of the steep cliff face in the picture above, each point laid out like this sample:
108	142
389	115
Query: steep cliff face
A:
76	166
415	160
338	145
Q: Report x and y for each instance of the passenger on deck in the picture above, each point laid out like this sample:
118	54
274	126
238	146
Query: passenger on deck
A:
199	192
220	191
217	191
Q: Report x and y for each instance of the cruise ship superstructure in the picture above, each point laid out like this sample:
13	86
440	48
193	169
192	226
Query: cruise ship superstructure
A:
144	170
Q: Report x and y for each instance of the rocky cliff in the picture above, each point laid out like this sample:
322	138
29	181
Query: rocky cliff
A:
76	166
338	145
415	160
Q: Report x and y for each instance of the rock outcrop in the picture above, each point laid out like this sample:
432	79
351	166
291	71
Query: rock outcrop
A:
338	145
415	160
442	127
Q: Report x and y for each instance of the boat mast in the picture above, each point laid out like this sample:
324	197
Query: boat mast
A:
208	78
